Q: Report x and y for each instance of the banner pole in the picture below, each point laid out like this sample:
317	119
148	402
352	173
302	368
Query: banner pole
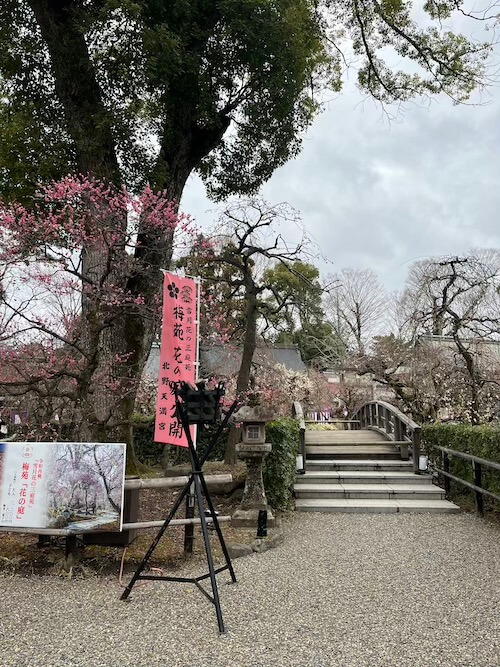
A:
191	498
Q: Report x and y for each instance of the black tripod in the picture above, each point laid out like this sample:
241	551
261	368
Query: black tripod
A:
200	486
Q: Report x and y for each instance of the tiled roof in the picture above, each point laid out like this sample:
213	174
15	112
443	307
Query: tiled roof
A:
225	361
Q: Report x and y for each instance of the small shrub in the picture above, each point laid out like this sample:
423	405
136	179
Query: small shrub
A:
280	464
482	441
320	426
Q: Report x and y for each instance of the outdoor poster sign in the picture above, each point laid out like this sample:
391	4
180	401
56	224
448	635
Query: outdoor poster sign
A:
178	353
73	485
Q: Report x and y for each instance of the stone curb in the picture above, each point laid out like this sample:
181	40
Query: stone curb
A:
259	544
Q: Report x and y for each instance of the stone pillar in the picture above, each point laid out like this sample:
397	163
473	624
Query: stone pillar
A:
254	495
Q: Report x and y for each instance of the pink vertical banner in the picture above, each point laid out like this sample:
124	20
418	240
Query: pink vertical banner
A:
178	353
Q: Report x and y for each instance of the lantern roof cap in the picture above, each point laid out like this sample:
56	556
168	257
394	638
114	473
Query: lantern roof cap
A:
256	413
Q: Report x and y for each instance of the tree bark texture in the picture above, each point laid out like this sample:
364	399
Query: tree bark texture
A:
249	345
90	125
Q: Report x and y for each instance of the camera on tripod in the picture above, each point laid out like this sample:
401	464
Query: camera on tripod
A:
200	404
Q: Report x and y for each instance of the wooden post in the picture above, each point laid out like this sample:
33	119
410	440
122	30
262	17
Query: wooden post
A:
69	552
478	478
446	468
43	541
302	435
416	450
387	421
398	431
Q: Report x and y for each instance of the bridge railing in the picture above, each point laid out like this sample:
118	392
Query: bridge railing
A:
394	424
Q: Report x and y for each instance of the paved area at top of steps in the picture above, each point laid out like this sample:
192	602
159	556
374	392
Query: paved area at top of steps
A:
344	590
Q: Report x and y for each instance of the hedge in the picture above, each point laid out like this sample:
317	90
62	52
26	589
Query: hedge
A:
280	464
482	441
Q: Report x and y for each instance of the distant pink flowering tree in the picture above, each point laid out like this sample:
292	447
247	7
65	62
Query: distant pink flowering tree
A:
80	297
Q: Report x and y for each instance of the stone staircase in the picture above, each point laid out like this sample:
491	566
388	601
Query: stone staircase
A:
361	471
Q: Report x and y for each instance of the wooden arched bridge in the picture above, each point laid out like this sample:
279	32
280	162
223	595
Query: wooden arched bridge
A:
370	463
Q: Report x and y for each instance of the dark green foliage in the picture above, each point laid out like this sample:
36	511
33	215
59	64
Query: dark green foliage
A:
147	450
295	311
482	441
279	466
297	286
152	453
177	71
221	293
204	436
90	80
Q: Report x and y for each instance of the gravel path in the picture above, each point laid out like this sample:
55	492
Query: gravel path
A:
344	590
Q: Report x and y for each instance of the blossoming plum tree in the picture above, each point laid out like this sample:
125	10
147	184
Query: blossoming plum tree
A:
79	302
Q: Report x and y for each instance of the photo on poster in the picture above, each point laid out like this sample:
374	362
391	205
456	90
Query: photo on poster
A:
77	486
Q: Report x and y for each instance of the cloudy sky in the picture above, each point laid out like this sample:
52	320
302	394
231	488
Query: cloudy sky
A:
378	194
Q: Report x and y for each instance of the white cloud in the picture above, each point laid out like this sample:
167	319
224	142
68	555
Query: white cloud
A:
375	194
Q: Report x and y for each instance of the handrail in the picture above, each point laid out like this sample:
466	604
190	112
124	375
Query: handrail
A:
137	485
477	464
139	525
394	424
468	457
298	413
174	482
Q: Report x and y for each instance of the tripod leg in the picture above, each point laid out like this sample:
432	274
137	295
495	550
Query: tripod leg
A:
189	528
218	528
206	538
158	537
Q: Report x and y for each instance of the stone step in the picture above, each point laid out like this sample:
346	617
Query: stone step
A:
375	451
362	477
366	443
359	464
374	506
370	491
347	437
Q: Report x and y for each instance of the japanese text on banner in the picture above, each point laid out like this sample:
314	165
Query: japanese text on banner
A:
178	354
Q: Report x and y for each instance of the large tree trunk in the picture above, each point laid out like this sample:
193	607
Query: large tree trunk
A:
88	121
249	345
102	414
185	142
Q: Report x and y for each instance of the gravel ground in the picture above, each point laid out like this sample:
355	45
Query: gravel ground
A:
344	590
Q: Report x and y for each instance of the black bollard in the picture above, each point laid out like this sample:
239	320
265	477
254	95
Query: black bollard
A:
262	524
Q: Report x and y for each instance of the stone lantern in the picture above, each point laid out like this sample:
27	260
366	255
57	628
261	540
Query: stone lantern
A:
253	449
